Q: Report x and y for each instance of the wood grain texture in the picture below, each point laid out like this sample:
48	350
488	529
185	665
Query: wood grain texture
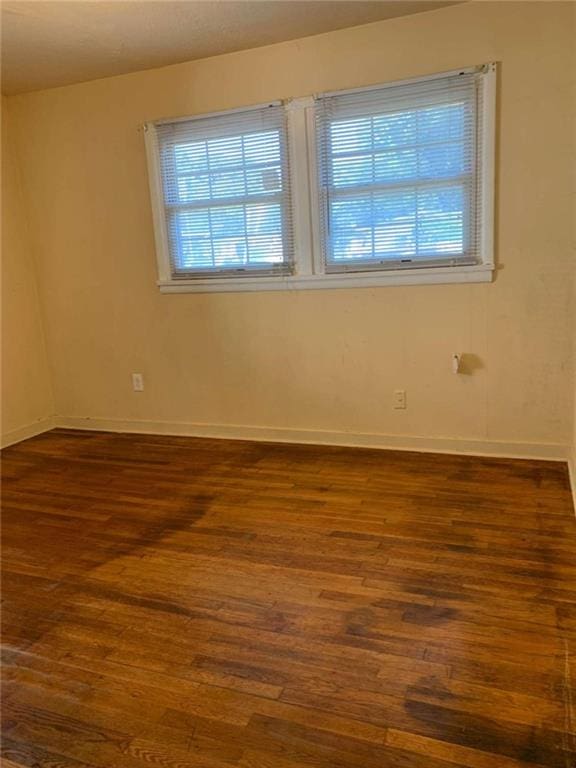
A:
207	603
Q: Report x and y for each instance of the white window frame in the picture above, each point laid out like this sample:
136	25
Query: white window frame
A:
308	262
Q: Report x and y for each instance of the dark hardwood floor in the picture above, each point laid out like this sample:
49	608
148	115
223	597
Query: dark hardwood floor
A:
199	603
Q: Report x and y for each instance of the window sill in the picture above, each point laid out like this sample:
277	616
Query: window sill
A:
419	276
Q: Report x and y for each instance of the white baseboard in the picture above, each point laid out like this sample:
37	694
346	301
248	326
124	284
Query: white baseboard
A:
549	451
30	430
572	474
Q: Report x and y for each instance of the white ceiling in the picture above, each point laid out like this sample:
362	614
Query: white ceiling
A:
49	43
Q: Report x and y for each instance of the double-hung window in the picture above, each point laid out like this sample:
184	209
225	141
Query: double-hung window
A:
225	189
399	177
379	185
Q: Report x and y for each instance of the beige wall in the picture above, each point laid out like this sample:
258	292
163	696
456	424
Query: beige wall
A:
572	439
27	403
324	360
572	449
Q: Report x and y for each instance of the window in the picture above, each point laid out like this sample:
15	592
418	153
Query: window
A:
226	194
387	184
398	176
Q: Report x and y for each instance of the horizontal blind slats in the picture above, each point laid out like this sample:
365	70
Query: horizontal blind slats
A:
226	188
397	174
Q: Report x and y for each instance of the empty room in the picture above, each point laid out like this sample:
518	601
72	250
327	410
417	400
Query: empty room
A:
288	407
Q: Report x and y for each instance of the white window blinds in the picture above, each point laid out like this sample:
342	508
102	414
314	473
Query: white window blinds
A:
398	176
226	194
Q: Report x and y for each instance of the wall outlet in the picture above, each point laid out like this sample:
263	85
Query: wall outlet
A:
137	382
399	398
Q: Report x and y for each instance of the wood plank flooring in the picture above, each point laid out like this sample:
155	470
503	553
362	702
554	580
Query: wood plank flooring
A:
190	603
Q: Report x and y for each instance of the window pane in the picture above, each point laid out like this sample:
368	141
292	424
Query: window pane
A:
394	130
442	122
195	187
351	135
264	224
262	147
227	221
401	224
442	161
229	252
227	185
196	253
441	221
395	225
351	229
229	236
264	219
349	171
396	166
265	249
193	223
191	231
263	180
190	157
225	152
